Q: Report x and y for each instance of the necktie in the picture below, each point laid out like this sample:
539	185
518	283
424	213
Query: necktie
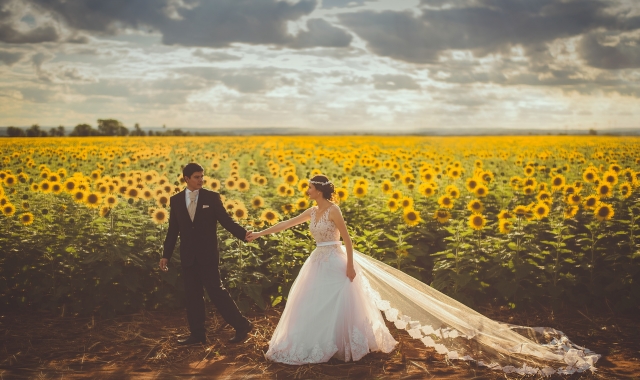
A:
192	204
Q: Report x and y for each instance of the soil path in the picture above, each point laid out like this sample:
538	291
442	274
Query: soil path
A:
143	346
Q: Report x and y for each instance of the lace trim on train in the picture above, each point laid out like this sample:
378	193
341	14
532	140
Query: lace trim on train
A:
299	354
577	358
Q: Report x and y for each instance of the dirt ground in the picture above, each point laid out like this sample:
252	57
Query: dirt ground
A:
143	346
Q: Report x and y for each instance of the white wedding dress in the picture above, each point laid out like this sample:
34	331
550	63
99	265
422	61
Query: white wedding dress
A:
328	316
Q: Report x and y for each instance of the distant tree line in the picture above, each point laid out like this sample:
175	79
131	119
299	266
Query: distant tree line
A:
106	127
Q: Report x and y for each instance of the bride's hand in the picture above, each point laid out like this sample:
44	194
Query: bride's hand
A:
351	273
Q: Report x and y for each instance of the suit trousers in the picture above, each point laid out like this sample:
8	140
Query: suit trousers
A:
198	277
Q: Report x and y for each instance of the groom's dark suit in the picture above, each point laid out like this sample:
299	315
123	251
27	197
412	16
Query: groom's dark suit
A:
200	257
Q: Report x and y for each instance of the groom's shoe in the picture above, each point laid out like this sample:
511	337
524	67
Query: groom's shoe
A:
192	340
241	334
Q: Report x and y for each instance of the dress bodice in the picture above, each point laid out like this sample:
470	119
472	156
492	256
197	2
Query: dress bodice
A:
322	228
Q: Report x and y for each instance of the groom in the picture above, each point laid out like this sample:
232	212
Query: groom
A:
195	213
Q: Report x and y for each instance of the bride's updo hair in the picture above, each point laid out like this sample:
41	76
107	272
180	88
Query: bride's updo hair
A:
322	183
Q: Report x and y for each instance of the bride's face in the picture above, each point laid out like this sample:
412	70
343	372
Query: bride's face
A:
313	193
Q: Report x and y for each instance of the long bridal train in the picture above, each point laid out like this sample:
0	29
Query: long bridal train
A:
461	333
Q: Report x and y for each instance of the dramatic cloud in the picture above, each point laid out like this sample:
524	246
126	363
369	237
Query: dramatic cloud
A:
623	55
9	57
488	26
215	23
360	64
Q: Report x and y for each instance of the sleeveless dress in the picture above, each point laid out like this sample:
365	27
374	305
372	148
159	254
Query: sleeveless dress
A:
327	315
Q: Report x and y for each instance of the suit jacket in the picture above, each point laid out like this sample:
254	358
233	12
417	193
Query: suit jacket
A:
198	238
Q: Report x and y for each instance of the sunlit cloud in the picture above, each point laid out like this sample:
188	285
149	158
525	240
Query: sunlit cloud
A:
326	65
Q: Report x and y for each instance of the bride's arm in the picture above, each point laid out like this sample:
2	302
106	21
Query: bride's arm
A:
336	216
306	215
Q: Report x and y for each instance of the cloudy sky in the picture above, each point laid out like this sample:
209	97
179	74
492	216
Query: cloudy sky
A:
322	64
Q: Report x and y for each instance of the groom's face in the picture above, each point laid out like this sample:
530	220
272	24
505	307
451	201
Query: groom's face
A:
195	181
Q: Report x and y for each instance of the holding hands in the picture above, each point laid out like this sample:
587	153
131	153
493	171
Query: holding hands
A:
252	235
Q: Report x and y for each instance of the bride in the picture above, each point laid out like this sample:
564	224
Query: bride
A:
334	310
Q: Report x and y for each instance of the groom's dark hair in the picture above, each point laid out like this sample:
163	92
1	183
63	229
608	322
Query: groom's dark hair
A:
191	168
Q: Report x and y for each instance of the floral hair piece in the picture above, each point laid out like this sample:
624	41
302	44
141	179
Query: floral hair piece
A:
320	183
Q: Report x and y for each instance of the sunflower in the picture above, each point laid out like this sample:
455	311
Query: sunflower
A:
591	202
477	221
427	190
411	217
243	185
528	190
269	216
257	202
442	216
625	190
288	208
505	214
111	200
8	209
481	191
290	191
475	206
446	201
455	173
162	200
93	200
25	205
392	204
544	196
262	180
26	218
342	193
302	203
282	190
520	211
10	180
530	182
529	171
230	183
505	226
160	216
406	202
574	199
453	191
56	188
472	183
359	190
303	185
557	182
230	205
540	210
610	177
146	193
214	184
105	211
397	195
132	193
240	213
35	187
604	190
387	186
570	211
291	179
603	211
589	176
79	196
45	186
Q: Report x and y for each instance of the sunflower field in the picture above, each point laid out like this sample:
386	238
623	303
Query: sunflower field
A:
505	221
